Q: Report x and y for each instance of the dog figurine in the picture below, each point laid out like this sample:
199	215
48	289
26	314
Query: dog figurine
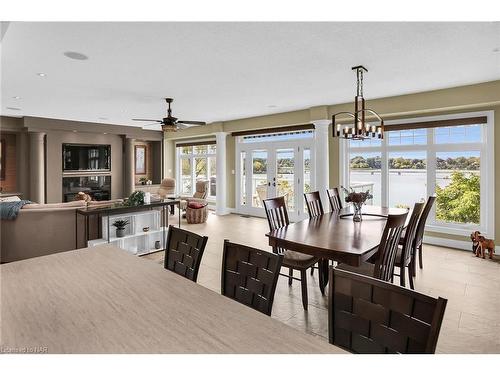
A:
485	244
480	245
474	237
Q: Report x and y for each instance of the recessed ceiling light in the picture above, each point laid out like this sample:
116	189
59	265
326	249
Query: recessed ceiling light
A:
102	118
75	55
16	97
104	133
74	131
13	108
271	106
41	74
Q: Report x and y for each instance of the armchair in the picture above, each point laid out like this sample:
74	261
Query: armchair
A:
200	195
167	187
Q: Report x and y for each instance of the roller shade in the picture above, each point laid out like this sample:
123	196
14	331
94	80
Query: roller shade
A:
274	130
201	143
437	124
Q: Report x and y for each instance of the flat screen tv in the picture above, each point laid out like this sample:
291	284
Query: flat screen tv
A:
78	157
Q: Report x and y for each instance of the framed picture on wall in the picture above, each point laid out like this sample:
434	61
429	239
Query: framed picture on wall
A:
2	159
140	159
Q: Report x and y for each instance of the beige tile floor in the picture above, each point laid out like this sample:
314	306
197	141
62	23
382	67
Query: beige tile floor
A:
470	284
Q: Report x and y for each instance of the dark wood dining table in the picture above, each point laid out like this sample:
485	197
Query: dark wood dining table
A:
335	236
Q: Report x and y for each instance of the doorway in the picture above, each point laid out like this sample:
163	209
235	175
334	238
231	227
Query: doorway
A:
274	165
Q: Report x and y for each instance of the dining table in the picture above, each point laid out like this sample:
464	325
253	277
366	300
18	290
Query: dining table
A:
105	300
335	236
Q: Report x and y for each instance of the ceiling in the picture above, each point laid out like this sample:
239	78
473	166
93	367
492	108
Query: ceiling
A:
224	71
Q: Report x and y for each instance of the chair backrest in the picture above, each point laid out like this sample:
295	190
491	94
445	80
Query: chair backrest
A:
408	244
183	252
201	189
277	216
388	248
167	186
334	199
366	315
419	235
314	205
250	275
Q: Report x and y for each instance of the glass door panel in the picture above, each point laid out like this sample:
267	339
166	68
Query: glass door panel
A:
186	177
285	176
259	177
307	175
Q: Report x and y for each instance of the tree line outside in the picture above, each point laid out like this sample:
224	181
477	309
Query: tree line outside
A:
461	163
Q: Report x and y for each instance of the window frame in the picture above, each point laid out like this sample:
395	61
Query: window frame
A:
487	169
192	160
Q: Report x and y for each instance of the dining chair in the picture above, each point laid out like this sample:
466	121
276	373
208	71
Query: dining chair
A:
314	208
406	251
250	275
383	268
313	203
366	315
277	217
183	252
334	199
419	236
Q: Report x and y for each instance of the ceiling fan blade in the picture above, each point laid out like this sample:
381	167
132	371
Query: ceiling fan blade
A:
144	119
192	122
182	126
150	125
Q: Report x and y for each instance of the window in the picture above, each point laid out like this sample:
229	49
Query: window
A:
453	162
195	162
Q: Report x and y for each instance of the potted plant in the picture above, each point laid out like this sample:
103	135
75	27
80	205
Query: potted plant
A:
143	180
120	227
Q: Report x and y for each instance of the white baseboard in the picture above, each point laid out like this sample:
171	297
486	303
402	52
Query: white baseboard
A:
446	242
454	244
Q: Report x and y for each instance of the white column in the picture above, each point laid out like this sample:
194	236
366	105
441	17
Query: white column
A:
37	167
128	167
221	183
322	164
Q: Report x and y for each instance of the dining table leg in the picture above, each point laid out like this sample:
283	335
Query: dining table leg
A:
323	274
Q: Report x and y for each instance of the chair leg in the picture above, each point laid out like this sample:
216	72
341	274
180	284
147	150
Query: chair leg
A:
303	278
420	262
321	277
312	270
410	278
402	275
290	274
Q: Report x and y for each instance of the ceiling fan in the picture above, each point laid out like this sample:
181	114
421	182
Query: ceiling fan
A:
171	123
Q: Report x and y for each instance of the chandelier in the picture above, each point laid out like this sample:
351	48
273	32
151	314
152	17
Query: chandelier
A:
361	129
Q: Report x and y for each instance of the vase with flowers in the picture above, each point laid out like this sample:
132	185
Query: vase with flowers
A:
357	199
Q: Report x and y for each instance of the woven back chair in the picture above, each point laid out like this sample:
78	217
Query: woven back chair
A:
419	236
277	215
387	250
334	199
183	252
366	315
250	276
313	203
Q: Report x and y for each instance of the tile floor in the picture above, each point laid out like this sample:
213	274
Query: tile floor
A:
470	284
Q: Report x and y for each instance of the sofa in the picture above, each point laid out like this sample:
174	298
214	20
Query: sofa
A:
43	229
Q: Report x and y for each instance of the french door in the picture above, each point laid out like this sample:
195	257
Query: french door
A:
273	169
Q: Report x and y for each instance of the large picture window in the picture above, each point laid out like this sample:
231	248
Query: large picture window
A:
453	162
196	161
